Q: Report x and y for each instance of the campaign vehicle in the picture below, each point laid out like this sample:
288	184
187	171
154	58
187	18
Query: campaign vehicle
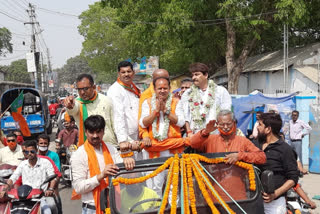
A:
194	182
34	110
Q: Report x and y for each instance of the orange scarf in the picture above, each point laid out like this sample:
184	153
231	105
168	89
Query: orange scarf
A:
174	143
132	88
83	116
95	170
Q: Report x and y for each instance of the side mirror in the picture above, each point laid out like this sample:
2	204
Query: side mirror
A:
267	181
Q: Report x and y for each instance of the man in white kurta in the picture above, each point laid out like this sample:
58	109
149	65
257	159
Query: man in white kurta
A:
125	97
203	100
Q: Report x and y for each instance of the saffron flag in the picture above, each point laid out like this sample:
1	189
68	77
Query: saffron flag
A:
16	108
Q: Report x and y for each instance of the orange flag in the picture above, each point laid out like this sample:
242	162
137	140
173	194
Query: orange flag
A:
16	108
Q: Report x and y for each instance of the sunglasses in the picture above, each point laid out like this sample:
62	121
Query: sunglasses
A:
11	140
84	89
27	152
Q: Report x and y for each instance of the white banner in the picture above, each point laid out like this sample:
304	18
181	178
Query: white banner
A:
31	63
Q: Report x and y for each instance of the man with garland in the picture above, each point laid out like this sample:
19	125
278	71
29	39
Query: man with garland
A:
125	97
143	133
203	100
162	116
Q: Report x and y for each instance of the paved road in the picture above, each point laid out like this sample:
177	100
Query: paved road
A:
311	185
69	206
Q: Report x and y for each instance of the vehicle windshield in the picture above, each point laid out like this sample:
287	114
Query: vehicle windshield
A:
145	197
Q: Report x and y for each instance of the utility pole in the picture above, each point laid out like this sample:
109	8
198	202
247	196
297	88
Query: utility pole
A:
49	75
32	16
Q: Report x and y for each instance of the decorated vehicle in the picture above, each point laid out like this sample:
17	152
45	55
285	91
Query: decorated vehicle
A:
34	110
190	183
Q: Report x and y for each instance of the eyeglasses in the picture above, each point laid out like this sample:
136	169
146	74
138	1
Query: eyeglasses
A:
27	152
84	89
11	140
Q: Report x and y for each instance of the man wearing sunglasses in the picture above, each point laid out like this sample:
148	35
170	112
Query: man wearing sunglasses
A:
12	152
90	102
34	172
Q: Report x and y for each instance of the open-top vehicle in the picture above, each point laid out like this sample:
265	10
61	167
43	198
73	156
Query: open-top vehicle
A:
190	183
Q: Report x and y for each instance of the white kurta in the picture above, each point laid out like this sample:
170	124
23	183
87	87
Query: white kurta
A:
222	101
125	111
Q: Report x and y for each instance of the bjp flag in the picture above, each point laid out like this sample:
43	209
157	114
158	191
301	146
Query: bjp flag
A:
16	108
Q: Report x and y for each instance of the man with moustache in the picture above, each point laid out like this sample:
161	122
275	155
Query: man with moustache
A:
125	97
280	159
92	163
43	149
203	100
12	153
89	103
143	133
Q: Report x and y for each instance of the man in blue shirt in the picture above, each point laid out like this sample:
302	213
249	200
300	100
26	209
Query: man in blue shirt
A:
43	149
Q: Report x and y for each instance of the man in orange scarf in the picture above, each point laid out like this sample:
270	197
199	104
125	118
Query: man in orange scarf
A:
92	163
125	98
143	133
162	116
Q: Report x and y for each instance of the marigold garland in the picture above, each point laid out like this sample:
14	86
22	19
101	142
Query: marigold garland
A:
189	165
129	154
107	211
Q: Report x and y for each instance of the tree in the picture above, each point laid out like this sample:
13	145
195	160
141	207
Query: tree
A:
5	44
74	66
17	72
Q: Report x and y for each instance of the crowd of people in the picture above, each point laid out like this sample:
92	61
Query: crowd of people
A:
151	124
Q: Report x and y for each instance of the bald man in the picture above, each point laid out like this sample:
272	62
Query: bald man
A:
143	133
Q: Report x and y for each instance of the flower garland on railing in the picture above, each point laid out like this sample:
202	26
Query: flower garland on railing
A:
189	166
195	101
164	135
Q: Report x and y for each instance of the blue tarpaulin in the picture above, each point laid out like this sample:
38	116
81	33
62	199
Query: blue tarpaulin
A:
244	108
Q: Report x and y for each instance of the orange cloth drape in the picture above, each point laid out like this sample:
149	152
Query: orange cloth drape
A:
94	170
174	143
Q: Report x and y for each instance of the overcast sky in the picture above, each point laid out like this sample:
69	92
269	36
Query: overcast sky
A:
60	32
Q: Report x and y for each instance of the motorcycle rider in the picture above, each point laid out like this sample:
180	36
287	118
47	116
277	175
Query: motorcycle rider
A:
34	172
12	152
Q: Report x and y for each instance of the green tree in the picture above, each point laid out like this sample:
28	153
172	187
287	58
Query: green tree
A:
17	72
5	44
74	66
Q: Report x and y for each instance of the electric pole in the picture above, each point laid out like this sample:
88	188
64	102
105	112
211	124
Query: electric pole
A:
51	85
32	16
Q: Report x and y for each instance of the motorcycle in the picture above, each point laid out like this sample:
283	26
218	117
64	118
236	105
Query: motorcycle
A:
26	200
6	170
295	204
65	156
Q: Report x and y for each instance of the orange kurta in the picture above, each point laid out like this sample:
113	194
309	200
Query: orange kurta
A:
174	142
144	95
247	151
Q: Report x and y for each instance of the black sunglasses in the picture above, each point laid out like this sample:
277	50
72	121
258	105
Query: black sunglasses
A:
27	152
11	140
84	89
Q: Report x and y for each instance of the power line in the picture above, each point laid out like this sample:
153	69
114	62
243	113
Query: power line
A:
17	2
9	9
57	12
20	11
25	2
4	13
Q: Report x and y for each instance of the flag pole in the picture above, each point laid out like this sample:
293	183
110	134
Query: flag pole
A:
5	111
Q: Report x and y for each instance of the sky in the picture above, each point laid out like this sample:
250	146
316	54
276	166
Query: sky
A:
58	22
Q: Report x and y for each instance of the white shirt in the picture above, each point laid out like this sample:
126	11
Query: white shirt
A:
145	111
11	157
125	111
82	182
296	129
33	176
222	101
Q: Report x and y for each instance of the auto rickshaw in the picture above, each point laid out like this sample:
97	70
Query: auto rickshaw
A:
34	110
